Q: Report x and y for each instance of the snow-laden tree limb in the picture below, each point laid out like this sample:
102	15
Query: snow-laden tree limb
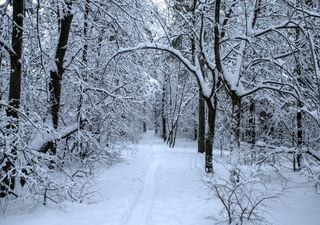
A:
278	87
41	138
194	69
6	47
303	10
21	113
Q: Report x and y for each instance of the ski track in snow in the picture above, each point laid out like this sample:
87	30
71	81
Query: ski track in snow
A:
141	211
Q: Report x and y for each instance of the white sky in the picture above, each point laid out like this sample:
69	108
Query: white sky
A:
2	1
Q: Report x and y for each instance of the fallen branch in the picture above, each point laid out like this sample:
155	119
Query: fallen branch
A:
42	138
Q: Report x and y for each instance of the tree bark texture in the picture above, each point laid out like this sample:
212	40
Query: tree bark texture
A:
16	58
252	122
8	169
210	133
236	121
56	75
85	32
298	156
201	124
163	113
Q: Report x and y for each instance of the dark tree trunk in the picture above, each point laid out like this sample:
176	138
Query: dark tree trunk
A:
144	122
195	126
217	55
156	122
236	121
85	32
163	114
252	123
16	59
210	133
201	125
200	133
56	75
7	183
299	135
298	156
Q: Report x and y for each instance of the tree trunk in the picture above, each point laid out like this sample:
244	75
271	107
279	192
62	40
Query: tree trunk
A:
7	180
299	135
201	131
195	126
298	156
236	122
252	123
201	124
16	59
210	133
235	128
156	116
85	32
163	113
56	75
144	124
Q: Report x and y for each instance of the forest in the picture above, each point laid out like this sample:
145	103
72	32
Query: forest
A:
83	80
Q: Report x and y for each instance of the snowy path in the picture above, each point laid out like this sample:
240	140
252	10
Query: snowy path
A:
141	211
170	189
157	186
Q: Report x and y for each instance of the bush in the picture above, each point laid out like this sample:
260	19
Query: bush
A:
242	197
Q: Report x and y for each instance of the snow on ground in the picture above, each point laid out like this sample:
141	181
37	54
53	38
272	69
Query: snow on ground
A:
160	186
299	205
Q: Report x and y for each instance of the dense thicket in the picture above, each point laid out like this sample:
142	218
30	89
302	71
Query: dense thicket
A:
62	108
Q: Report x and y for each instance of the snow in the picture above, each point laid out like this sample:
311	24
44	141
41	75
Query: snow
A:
299	206
156	185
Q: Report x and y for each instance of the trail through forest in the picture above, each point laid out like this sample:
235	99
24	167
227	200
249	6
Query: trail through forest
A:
156	185
153	185
171	187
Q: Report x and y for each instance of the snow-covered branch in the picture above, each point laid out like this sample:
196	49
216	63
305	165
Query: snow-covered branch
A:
7	47
44	136
20	112
194	69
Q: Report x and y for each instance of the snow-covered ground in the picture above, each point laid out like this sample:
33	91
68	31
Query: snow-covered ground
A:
160	186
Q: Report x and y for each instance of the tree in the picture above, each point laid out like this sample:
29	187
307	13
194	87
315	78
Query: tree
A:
64	24
8	170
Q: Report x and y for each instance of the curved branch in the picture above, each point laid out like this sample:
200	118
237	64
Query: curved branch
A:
21	113
267	87
6	47
155	46
194	69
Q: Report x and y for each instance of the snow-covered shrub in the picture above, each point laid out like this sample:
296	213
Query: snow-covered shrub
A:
31	173
242	196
